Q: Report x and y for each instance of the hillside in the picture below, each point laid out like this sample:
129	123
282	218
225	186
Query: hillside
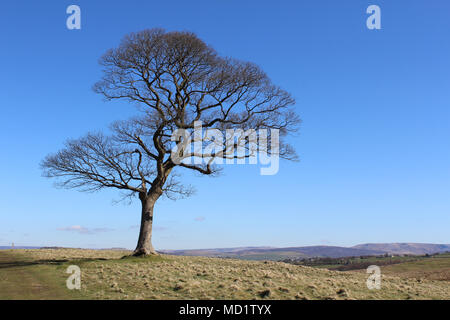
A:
19	247
32	274
405	248
433	268
268	253
271	253
276	254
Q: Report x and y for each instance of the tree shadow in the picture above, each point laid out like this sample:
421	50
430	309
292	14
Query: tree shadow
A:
10	263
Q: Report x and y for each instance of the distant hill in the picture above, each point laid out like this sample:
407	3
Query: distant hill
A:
405	248
271	253
330	251
57	248
18	247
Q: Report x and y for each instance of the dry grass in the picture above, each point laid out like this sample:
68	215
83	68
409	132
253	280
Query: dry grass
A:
436	268
177	277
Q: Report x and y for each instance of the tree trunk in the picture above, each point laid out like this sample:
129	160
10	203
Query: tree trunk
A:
144	245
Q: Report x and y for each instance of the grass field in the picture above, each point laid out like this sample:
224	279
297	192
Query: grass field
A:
357	263
40	274
434	268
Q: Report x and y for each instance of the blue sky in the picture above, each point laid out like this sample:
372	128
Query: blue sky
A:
374	143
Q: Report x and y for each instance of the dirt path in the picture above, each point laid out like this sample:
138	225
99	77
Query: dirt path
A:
22	278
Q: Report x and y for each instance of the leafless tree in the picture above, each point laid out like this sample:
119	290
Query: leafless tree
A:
177	80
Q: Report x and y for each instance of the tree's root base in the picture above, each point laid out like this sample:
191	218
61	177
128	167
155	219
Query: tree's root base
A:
145	253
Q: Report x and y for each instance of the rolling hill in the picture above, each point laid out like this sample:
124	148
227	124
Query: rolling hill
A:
405	248
18	247
273	253
270	253
261	253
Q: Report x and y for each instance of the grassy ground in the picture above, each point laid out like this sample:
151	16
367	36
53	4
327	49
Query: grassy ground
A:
357	263
23	277
106	276
434	268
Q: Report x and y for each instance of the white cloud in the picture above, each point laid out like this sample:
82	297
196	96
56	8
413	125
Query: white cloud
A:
84	230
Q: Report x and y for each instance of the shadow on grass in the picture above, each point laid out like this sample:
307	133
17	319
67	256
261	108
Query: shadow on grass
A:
13	262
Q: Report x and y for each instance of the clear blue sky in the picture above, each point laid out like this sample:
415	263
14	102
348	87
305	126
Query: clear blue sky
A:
374	143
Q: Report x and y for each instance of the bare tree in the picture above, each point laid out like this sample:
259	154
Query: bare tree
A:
178	81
